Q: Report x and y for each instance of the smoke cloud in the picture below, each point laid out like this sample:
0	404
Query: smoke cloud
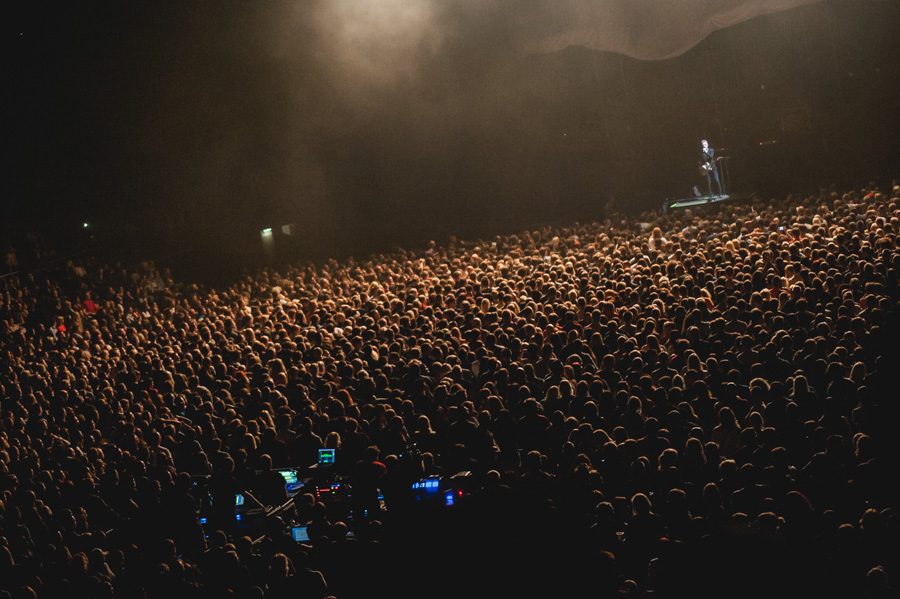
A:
366	122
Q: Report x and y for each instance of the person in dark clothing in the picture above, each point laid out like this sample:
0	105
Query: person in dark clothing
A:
709	166
367	476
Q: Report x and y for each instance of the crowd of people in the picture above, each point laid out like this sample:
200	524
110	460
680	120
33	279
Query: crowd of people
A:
696	401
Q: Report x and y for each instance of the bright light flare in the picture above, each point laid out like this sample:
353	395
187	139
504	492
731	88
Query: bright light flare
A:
381	39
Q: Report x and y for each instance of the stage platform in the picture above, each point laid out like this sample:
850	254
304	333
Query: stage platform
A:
696	201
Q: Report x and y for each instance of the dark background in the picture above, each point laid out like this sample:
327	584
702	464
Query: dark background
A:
181	129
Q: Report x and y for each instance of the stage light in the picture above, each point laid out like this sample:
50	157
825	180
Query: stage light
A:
268	240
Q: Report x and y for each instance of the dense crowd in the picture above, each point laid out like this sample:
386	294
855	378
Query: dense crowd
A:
712	385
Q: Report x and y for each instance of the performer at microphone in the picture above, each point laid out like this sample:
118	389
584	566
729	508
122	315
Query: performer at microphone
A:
708	166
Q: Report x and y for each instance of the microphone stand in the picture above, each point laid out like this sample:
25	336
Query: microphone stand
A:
724	176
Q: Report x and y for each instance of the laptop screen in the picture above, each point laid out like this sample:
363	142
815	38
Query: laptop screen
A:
289	475
300	534
326	456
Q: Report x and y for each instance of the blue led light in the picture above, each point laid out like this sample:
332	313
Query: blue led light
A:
237	517
448	498
202	520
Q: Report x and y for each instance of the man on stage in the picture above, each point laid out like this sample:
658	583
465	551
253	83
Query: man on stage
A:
709	166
